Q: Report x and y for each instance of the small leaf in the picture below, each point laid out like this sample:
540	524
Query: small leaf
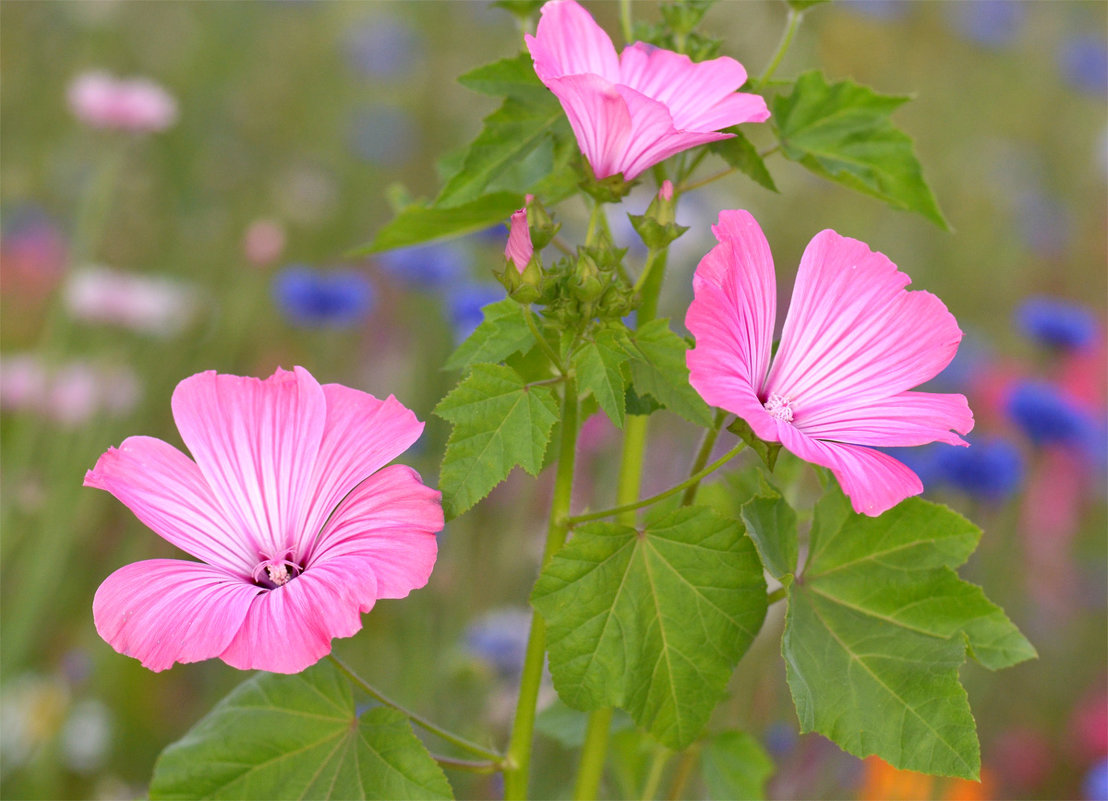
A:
876	628
766	450
640	404
504	331
653	621
508	77
298	736
735	766
599	367
771	524
842	132
417	224
499	422
658	369
743	156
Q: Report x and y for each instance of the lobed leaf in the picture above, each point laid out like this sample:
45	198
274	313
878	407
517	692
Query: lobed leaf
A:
658	369
771	524
599	367
842	132
499	422
417	224
739	153
652	620
502	332
298	736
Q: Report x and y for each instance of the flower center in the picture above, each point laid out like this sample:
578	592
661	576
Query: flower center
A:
274	573
779	408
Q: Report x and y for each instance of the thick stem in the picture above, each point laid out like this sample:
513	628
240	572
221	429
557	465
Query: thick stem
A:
627	29
519	746
593	752
654	777
422	722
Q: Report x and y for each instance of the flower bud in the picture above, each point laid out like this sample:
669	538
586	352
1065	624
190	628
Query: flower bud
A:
519	249
522	273
587	282
658	227
543	227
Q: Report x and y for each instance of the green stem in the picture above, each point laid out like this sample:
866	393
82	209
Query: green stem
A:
652	258
654	778
594	222
650	287
593	753
792	23
777	595
543	344
626	28
706	445
519	746
684	770
422	722
689	483
467	765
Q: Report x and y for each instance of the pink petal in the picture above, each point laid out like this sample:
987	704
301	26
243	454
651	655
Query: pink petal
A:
569	42
910	418
653	137
519	249
165	490
853	333
732	318
165	610
361	435
256	443
599	117
699	96
391	520
291	627
874	481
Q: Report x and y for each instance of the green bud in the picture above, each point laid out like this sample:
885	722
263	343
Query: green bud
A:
542	225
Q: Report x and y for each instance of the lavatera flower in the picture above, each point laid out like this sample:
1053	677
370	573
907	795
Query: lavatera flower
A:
633	110
298	524
855	342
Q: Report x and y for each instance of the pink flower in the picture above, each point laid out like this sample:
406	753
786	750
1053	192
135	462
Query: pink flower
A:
631	111
854	342
299	525
142	303
103	101
264	242
519	249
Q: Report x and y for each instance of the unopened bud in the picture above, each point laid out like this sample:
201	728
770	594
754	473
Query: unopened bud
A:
658	227
519	249
543	227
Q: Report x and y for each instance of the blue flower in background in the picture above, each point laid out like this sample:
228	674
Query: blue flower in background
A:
317	299
466	303
500	638
384	47
990	469
426	266
1057	323
1095	785
1047	416
1084	64
922	461
383	135
992	23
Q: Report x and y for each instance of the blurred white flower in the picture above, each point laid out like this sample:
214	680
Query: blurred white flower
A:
32	709
137	104
149	305
87	736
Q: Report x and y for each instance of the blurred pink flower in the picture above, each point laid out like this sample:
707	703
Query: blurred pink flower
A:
299	525
70	393
263	242
636	109
32	258
854	342
137	104
23	380
519	249
147	304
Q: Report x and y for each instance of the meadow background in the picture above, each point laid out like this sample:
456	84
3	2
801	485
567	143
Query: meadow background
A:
297	123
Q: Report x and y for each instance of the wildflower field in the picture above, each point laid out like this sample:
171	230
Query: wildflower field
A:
576	400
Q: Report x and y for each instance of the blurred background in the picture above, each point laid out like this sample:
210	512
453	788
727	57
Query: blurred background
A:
201	223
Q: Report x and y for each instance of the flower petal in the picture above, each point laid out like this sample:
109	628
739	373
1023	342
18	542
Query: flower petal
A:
853	332
391	520
732	317
361	435
874	481
166	491
163	611
256	443
569	42
910	418
290	628
599	117
699	96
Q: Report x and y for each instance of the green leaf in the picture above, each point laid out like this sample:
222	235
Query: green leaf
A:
298	736
877	627
767	451
640	404
652	620
804	5
735	766
504	331
508	77
499	422
417	224
658	369
510	134
739	153
842	132
771	524
599	367
567	725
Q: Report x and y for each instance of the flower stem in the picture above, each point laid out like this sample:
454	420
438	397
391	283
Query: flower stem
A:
775	596
541	340
688	484
625	21
467	765
593	752
519	746
706	445
466	745
792	23
684	770
654	777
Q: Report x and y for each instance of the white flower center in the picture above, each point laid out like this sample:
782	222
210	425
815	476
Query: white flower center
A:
779	408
